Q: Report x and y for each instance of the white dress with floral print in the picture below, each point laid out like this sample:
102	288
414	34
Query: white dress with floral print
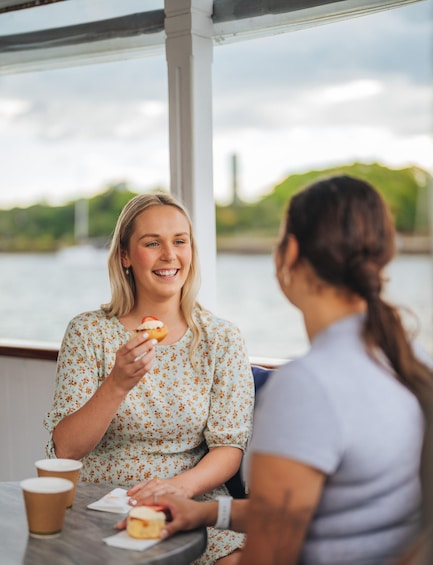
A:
171	417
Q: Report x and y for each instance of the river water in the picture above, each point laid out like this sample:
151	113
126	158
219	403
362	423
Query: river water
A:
39	294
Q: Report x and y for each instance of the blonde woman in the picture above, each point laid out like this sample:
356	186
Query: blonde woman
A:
168	418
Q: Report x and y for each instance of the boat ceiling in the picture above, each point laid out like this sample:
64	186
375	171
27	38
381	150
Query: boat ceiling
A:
104	37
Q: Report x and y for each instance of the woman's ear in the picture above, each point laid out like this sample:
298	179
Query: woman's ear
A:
124	259
291	253
285	262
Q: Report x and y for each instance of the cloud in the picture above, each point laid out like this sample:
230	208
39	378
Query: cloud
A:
58	105
391	102
10	108
354	90
396	41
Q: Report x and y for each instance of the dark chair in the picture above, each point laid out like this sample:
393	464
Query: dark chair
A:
260	375
235	485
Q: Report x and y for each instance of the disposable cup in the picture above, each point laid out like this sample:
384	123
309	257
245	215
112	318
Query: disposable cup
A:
63	469
45	502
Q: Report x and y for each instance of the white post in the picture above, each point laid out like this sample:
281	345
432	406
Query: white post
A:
189	47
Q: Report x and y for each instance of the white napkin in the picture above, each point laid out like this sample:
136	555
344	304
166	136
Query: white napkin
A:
115	501
123	540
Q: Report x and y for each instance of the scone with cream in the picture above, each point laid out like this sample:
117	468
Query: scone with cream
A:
145	522
154	327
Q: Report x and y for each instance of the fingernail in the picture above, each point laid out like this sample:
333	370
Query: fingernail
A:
132	502
154	341
164	533
145	335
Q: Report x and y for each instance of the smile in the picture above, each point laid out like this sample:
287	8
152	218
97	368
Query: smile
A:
166	272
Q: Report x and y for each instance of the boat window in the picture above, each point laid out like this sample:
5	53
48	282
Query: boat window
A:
281	106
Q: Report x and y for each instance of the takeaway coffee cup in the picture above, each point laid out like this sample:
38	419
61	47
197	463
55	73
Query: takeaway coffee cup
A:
63	469
45	499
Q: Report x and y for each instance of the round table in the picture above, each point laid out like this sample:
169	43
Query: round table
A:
81	541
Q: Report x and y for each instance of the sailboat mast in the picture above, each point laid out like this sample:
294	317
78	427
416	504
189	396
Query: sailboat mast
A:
81	228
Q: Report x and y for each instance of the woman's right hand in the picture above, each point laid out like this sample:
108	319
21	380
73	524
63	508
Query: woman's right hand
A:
133	361
78	433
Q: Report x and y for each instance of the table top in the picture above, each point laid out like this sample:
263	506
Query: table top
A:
81	542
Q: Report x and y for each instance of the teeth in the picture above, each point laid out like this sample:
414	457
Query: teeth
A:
169	273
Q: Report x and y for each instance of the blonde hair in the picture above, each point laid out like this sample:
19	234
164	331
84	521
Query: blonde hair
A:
122	285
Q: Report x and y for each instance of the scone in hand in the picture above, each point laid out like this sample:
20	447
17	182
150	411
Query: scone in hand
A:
154	327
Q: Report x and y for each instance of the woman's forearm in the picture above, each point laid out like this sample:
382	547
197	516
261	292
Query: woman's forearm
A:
77	434
206	514
216	467
238	515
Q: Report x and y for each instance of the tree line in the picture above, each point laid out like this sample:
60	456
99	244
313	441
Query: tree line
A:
45	228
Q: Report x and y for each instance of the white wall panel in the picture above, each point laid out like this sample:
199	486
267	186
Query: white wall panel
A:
26	391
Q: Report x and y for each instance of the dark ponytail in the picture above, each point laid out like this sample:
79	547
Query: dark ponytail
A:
345	231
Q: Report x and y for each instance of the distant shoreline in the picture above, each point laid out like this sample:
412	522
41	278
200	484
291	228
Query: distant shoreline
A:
254	245
414	244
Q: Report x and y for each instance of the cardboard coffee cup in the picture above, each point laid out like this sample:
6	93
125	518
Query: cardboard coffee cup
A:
62	468
45	500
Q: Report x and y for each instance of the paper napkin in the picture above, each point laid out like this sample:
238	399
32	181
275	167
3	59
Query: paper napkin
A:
115	501
124	541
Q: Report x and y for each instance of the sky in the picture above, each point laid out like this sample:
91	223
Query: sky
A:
359	90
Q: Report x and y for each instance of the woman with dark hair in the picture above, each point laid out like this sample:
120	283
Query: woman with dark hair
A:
172	417
333	468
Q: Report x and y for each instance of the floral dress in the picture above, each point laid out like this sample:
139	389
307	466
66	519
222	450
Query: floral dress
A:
170	419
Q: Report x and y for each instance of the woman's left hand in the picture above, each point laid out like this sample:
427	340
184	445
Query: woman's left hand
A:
154	488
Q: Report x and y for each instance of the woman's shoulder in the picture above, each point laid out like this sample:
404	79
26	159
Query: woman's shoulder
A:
211	322
92	328
89	317
294	370
92	319
301	373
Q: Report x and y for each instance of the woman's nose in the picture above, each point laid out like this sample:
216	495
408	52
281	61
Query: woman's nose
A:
168	253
